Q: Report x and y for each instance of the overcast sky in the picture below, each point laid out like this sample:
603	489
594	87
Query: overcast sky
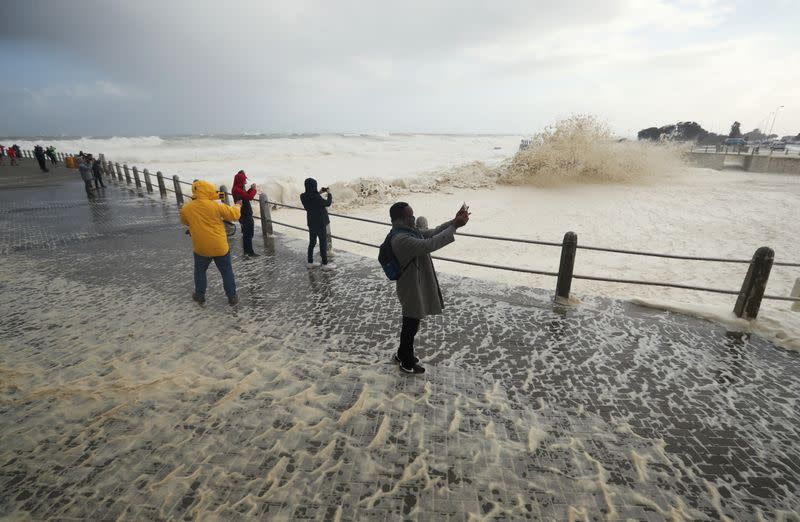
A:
106	67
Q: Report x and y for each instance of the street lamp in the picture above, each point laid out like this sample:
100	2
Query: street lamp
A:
774	118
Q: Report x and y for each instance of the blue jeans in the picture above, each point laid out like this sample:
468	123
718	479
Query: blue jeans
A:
313	234
223	265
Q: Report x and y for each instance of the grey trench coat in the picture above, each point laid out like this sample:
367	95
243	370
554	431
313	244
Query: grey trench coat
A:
418	288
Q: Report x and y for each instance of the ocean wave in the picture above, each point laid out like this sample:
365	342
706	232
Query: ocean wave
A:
582	149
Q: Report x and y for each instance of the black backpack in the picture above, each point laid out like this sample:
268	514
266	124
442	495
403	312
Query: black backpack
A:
387	259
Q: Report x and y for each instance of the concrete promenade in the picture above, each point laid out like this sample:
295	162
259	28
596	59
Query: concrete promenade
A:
122	399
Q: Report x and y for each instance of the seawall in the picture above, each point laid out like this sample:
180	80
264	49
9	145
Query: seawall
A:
777	163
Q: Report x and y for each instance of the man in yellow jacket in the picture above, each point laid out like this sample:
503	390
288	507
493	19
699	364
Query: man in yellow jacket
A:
204	216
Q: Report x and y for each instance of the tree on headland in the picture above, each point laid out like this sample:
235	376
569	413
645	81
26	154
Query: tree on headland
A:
650	133
754	135
735	131
681	131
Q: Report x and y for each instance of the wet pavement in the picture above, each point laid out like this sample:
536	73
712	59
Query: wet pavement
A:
121	398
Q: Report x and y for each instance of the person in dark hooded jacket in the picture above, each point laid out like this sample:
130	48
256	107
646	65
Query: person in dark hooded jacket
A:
317	219
38	153
245	196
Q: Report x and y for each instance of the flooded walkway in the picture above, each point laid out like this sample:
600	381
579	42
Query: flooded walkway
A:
121	398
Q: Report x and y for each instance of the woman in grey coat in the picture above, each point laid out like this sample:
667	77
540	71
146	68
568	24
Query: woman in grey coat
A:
417	287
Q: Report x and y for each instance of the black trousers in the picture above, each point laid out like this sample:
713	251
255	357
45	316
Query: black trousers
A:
42	164
407	333
88	184
98	181
313	234
248	229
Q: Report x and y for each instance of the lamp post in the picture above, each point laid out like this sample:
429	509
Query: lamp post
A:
775	117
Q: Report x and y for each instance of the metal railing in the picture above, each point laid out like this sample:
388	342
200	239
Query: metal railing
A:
744	150
747	305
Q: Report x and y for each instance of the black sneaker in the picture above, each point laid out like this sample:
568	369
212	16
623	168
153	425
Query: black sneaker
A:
397	359
233	300
252	254
415	369
199	298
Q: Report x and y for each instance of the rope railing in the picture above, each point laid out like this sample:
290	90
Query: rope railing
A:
748	306
554	274
556	244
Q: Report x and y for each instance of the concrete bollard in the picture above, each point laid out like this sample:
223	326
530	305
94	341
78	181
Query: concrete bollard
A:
266	218
568	249
796	293
127	173
178	192
136	177
119	171
162	188
147	184
755	283
224	193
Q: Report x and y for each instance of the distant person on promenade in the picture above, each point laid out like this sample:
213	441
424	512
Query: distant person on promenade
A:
97	172
317	219
204	216
38	153
12	155
85	169
51	153
244	197
2	153
417	287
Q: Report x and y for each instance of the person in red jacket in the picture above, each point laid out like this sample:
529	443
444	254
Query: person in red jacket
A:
12	155
245	196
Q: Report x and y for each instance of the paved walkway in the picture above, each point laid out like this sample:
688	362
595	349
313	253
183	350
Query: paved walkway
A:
120	398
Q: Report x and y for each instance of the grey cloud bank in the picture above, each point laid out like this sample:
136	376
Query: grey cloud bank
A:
313	66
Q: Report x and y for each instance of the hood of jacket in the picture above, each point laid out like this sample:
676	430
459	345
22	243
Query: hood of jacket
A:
311	185
204	190
240	179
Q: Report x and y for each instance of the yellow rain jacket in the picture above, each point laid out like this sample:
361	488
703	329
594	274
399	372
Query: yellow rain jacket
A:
204	215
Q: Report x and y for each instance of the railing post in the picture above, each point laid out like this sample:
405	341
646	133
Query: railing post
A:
266	218
178	192
796	293
162	188
329	240
110	170
755	283
147	183
127	174
568	248
136	177
119	171
225	196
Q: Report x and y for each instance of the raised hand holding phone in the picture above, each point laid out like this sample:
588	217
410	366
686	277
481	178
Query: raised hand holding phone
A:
462	216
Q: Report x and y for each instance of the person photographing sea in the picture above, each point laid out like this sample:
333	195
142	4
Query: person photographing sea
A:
417	286
317	220
244	197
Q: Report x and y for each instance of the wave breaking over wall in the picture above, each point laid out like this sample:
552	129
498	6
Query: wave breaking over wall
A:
582	149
